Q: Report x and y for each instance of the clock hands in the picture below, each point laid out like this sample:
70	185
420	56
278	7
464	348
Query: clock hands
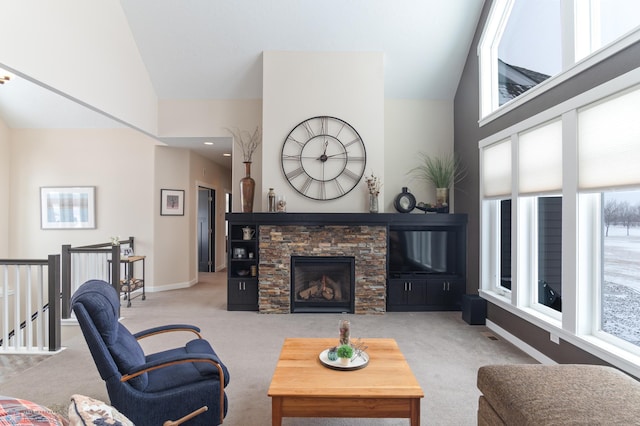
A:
323	157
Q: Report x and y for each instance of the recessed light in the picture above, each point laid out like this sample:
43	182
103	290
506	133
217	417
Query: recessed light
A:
208	143
226	154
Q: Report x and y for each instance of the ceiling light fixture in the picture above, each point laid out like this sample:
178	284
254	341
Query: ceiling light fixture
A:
226	154
4	78
208	143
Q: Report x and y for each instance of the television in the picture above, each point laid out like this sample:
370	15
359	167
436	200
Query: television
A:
423	252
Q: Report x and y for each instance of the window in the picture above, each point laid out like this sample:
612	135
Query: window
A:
620	287
529	49
574	201
549	279
527	42
505	244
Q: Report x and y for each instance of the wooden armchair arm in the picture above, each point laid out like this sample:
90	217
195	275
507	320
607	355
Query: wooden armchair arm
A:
167	329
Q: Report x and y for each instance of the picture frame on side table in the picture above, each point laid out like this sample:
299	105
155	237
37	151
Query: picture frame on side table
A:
171	202
68	207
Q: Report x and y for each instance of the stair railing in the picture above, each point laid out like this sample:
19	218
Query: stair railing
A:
30	301
96	261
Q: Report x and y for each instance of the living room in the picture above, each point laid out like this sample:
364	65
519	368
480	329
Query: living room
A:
129	165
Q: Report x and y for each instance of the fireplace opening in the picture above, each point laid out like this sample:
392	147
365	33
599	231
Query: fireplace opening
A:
322	284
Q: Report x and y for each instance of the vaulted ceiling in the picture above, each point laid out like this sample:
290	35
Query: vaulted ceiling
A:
212	49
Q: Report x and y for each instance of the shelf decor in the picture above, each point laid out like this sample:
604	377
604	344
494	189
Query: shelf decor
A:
72	207
171	202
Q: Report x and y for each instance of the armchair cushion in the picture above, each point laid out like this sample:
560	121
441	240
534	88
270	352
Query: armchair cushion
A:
184	373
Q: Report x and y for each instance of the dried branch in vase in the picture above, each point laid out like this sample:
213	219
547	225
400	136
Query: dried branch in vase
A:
373	184
247	141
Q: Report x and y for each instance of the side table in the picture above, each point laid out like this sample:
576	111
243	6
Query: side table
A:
129	283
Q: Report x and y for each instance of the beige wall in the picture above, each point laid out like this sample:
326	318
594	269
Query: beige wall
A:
172	251
175	251
117	162
128	169
208	175
5	174
301	85
411	127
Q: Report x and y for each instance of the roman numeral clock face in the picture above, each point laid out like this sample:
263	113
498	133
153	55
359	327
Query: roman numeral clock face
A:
323	158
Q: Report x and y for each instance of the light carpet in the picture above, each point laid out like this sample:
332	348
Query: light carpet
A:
442	350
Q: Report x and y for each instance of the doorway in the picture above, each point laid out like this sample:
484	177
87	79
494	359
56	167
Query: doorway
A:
206	229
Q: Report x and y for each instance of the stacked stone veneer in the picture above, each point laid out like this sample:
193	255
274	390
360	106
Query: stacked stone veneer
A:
277	243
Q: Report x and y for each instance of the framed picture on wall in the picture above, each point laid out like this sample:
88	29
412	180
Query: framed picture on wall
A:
172	202
68	207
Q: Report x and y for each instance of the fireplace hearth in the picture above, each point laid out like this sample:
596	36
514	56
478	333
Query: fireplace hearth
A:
322	284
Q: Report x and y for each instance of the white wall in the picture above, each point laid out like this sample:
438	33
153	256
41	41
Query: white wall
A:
5	175
83	49
118	162
301	85
411	127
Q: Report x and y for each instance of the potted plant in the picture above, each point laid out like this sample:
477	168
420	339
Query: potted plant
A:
345	352
442	171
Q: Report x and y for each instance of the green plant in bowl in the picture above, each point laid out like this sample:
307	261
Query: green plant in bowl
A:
345	352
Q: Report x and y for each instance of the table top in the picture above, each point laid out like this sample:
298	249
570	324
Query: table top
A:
129	259
299	372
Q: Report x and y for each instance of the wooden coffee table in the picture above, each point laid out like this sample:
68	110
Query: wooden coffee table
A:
303	387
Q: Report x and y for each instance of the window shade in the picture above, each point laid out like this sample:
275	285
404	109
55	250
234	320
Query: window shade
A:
496	169
540	159
609	142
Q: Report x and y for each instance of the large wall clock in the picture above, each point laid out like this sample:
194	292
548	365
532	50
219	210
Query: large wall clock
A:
323	158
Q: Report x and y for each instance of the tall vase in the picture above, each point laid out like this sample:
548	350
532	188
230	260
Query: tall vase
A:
373	203
442	199
247	189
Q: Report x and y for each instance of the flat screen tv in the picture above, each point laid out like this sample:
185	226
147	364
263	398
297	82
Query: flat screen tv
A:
422	251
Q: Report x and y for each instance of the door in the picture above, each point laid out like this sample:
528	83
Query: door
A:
206	233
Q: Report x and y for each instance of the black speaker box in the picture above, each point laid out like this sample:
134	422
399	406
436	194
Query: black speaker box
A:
474	309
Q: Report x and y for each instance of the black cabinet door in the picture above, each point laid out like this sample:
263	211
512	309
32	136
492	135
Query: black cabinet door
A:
445	293
242	295
396	293
406	295
416	293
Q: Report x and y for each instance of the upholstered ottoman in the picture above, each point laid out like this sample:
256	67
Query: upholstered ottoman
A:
567	394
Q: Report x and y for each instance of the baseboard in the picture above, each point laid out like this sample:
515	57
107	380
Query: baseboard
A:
173	286
524	347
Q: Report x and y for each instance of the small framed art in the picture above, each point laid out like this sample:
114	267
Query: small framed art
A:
172	202
68	207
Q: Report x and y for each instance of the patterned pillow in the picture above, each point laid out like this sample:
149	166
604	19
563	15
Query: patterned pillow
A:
15	411
84	411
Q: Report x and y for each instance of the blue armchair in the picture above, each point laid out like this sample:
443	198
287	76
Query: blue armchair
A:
150	389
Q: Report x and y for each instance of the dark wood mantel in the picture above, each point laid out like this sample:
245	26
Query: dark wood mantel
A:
374	219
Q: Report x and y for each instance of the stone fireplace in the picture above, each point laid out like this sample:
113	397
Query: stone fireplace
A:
322	284
366	245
